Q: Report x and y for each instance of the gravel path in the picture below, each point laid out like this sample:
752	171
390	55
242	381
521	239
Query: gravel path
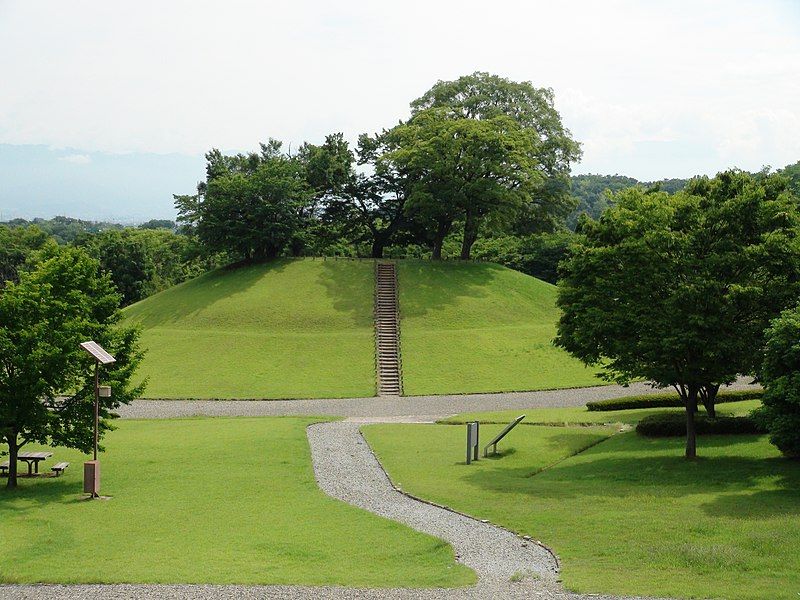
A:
420	408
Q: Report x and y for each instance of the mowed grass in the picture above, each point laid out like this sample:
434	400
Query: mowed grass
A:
582	416
285	329
208	501
470	327
628	515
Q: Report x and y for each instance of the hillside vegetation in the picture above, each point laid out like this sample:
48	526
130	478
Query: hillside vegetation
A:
285	329
478	327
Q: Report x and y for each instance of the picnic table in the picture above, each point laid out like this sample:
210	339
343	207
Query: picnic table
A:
33	459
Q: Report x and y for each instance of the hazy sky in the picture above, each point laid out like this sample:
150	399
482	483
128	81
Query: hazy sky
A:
651	89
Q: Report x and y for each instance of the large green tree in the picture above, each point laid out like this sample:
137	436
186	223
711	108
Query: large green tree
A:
678	289
483	96
459	167
17	244
46	382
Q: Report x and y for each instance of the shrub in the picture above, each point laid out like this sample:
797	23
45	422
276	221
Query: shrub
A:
781	376
667	400
673	424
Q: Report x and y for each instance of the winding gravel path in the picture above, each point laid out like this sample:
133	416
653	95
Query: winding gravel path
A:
418	408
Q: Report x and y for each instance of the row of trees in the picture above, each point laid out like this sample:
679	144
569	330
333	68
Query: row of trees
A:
478	155
679	289
139	260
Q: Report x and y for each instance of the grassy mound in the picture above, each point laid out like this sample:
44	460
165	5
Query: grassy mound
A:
470	327
208	501
286	329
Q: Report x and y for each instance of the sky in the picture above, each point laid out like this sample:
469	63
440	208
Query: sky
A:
106	108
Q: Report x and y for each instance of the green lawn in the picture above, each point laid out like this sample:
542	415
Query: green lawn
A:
628	515
469	327
287	329
582	416
208	501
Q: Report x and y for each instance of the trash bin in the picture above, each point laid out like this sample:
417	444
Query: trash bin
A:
91	477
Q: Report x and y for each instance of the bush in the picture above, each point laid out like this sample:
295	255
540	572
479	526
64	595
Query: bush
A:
667	400
781	376
673	424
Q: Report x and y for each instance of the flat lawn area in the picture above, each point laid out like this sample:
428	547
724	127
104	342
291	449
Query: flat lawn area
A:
480	328
628	515
582	416
208	501
285	329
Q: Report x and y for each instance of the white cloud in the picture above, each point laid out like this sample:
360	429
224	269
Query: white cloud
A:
702	84
76	159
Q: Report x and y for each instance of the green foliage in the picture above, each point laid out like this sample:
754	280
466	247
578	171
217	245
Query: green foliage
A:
781	379
595	193
670	399
628	516
65	229
191	497
142	262
466	168
671	424
679	289
62	301
537	255
159	224
17	245
251	206
529	163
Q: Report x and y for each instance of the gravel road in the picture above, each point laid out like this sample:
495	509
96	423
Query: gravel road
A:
411	407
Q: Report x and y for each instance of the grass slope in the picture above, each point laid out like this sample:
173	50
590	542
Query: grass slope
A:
628	515
286	329
208	501
469	327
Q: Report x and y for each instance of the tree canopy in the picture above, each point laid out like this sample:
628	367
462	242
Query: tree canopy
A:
678	289
46	382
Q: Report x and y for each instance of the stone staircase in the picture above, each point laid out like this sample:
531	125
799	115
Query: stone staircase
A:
387	330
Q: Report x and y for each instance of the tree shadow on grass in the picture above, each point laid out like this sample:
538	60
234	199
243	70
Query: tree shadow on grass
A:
351	286
30	496
737	481
430	285
190	298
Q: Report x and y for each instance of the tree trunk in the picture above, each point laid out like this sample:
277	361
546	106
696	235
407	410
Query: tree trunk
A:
377	247
442	229
709	397
691	431
13	451
471	226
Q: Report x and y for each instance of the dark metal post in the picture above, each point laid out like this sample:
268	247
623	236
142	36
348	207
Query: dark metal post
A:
96	404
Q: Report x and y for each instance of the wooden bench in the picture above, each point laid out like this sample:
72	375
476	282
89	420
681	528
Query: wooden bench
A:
4	468
58	468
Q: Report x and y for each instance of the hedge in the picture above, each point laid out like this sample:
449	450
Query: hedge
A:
667	400
674	425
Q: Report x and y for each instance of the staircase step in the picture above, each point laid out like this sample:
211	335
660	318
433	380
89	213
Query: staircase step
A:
387	342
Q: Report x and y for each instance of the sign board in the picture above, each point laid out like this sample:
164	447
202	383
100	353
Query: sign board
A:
473	433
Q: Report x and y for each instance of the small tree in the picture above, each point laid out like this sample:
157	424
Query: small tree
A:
781	379
679	289
61	301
